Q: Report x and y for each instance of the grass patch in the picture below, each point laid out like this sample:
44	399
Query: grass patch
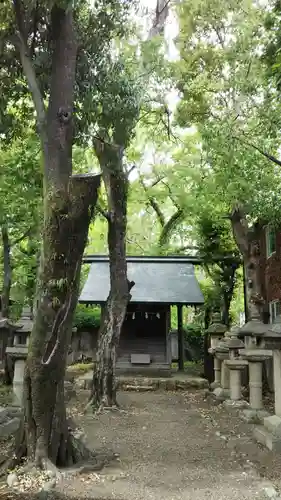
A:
6	395
191	367
80	367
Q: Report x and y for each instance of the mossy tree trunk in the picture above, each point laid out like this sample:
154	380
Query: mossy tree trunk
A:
7	272
68	204
250	251
64	239
116	183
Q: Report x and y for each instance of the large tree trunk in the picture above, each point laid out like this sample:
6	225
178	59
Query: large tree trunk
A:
5	303
229	273
68	204
116	182
7	282
250	252
64	239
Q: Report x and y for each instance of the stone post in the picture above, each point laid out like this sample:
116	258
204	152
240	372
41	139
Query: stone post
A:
255	354
270	433
277	381
235	366
216	332
18	381
255	385
235	385
222	353
255	358
225	376
18	353
217	370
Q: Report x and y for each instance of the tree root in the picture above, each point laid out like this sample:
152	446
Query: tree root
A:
78	455
99	407
48	466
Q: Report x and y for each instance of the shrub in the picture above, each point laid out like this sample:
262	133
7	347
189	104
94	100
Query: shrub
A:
87	317
194	336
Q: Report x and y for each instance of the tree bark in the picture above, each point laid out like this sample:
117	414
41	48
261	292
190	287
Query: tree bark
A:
7	283
250	252
168	226
64	239
116	183
68	206
5	303
228	284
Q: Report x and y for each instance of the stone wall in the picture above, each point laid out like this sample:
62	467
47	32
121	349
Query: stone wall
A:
270	269
83	345
270	278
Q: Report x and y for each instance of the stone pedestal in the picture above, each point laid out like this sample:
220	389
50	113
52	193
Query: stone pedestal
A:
216	332
222	392
19	354
217	373
18	381
270	433
255	358
236	366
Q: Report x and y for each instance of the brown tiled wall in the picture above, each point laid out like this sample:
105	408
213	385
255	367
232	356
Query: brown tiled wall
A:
270	269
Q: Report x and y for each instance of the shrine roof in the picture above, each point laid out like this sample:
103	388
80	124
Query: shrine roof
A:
159	280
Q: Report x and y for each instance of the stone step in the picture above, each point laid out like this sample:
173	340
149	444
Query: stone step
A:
4	414
267	439
135	383
10	427
273	424
15	411
138	388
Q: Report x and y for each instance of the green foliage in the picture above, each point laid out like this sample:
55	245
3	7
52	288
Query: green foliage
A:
190	178
226	94
87	317
194	335
221	260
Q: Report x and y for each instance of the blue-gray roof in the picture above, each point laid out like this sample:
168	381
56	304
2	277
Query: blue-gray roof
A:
165	280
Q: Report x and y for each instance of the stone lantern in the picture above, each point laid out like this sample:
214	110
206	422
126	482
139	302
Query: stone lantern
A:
222	354
18	354
235	365
255	354
270	433
216	332
7	330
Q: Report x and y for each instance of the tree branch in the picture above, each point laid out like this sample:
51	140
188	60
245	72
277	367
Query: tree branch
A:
153	203
131	170
19	15
58	330
21	238
103	212
264	153
35	25
240	230
28	66
169	226
161	14
171	195
132	242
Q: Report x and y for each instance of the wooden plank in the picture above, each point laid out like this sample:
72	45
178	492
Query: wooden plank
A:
140	359
180	338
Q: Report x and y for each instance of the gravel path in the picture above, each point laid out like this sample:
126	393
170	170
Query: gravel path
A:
175	446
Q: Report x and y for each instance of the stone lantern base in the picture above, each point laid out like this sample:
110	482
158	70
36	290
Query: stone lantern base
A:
223	392
252	416
19	355
269	434
235	405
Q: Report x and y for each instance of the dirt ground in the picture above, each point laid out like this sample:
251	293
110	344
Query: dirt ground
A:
175	446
